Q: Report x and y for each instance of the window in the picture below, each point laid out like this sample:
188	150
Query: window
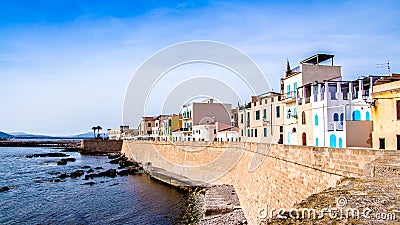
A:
149	124
398	109
265	113
335	117
278	111
381	143
265	131
295	88
258	115
357	115
367	116
288	91
316	142
242	132
316	120
252	133
248	119
341	116
340	142
332	141
215	131
398	141
248	132
304	138
255	132
281	129
241	118
303	117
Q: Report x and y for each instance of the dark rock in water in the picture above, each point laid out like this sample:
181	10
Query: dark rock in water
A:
115	161
71	149
101	182
89	183
132	170
77	173
51	154
98	168
123	173
6	188
90	171
125	163
56	180
114	184
109	173
86	167
114	155
63	176
69	159
62	162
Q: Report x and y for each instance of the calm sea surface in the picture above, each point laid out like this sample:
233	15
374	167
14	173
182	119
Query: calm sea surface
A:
120	200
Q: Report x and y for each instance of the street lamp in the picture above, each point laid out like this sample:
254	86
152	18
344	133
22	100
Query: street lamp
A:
290	114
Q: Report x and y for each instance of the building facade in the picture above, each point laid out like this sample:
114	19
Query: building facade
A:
386	113
203	112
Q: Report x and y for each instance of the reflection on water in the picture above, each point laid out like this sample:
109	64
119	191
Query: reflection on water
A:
120	200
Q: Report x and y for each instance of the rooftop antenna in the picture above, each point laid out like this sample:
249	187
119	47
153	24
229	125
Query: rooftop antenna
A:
387	65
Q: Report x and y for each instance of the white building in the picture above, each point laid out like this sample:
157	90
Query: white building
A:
336	114
313	69
230	134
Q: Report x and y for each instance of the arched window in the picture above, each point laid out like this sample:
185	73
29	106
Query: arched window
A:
316	120
367	116
335	117
340	143
303	118
356	115
341	116
304	138
332	141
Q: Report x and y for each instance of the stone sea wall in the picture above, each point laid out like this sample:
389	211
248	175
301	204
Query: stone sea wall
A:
101	146
262	174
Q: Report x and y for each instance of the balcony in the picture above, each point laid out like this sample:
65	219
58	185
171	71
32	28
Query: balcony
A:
289	97
339	125
335	126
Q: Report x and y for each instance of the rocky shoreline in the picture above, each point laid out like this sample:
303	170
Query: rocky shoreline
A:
205	204
72	144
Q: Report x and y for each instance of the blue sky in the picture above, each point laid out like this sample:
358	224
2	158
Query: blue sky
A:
65	65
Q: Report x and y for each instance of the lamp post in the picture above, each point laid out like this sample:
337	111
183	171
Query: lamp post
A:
290	114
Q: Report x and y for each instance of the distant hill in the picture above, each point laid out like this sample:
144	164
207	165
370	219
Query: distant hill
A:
26	135
5	135
83	135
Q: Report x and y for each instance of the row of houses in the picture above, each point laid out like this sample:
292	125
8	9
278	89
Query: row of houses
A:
315	107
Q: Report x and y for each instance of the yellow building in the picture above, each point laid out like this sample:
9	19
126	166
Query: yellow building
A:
386	113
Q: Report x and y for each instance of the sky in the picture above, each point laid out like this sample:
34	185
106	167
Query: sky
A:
65	65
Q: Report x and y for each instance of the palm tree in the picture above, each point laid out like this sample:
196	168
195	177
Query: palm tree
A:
94	131
99	128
